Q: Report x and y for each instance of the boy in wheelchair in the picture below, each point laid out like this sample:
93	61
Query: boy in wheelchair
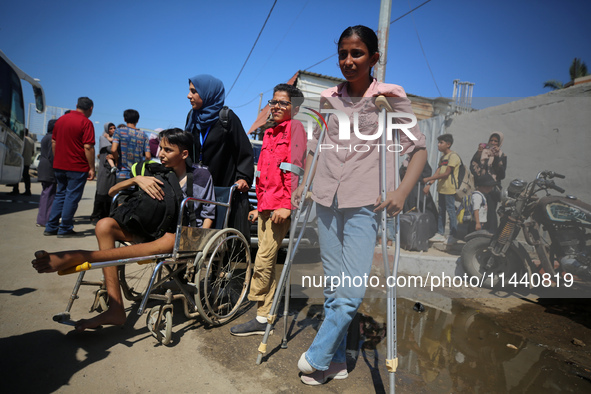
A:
174	150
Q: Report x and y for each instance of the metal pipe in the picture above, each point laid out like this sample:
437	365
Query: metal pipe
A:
383	33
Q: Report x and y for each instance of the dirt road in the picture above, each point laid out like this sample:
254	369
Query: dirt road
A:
440	351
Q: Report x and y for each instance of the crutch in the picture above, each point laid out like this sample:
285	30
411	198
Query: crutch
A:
291	251
99	299
392	357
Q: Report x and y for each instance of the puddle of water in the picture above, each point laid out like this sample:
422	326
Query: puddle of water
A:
461	350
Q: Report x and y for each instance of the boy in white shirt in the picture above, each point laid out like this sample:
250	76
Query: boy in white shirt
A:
484	185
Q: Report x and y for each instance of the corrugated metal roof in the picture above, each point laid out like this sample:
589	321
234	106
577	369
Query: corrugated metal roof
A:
422	106
339	80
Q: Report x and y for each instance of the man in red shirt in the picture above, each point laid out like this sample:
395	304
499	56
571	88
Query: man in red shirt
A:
73	152
284	143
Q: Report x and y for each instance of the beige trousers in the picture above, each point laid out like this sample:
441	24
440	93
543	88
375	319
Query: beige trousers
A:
263	282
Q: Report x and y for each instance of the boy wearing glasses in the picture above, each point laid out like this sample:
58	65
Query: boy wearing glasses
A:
283	143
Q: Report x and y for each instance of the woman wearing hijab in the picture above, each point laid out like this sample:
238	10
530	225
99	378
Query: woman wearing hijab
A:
489	159
221	144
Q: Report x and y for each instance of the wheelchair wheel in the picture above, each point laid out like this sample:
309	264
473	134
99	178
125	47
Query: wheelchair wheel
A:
223	276
134	279
161	330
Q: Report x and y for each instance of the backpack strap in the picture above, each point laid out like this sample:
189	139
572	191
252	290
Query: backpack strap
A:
143	165
134	168
483	203
191	204
454	181
172	204
225	118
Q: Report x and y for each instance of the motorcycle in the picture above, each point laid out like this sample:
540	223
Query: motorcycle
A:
557	227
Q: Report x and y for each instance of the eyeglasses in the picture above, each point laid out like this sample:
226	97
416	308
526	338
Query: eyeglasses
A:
282	104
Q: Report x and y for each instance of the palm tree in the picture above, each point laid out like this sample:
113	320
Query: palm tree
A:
553	84
577	69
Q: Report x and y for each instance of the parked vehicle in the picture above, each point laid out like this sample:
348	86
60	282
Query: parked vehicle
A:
35	164
12	118
557	227
310	237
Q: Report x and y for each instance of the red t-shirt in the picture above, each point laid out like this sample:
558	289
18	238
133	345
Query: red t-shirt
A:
70	133
284	143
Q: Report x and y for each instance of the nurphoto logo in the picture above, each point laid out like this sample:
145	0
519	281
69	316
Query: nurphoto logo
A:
393	122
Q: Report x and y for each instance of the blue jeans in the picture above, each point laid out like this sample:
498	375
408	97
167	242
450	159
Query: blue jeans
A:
70	185
447	204
347	238
390	230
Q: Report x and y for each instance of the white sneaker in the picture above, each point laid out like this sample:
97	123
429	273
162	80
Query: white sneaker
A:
451	241
437	238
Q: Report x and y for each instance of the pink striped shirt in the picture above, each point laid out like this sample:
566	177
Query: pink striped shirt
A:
349	168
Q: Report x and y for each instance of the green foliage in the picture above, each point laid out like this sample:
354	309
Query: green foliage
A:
553	84
577	69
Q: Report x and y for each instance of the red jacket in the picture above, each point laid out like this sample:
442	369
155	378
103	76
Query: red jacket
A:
285	142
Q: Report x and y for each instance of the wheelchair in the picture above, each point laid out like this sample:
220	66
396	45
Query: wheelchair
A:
209	270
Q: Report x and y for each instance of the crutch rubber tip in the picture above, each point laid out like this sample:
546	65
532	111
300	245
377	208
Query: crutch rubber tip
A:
61	317
392	364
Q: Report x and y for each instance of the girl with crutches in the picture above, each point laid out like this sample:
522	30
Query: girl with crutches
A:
346	186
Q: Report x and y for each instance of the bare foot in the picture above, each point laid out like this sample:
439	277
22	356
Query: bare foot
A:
52	262
42	262
109	317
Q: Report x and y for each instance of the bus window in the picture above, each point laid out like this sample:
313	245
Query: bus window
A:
12	118
17	113
11	100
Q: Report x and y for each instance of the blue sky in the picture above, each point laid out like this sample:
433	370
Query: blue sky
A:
140	54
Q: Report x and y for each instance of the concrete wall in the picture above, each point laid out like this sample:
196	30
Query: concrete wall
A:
547	132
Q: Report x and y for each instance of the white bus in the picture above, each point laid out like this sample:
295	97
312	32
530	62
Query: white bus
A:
12	118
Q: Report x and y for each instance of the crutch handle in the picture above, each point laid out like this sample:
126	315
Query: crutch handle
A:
82	267
382	103
325	104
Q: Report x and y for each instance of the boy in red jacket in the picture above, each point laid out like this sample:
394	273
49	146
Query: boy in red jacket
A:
284	143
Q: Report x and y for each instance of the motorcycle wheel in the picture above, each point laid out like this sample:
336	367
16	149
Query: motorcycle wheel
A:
479	261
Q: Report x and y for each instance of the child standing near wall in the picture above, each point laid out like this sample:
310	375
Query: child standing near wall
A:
284	143
446	175
484	185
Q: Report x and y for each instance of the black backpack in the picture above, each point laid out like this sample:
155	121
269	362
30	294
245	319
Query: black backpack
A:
224	118
145	216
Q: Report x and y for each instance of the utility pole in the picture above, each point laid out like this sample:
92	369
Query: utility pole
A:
383	33
260	103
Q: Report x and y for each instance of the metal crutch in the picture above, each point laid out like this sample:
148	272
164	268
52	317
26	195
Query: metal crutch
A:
64	317
291	251
392	357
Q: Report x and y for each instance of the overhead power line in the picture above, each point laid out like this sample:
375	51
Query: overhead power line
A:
409	12
323	60
395	20
424	54
252	49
